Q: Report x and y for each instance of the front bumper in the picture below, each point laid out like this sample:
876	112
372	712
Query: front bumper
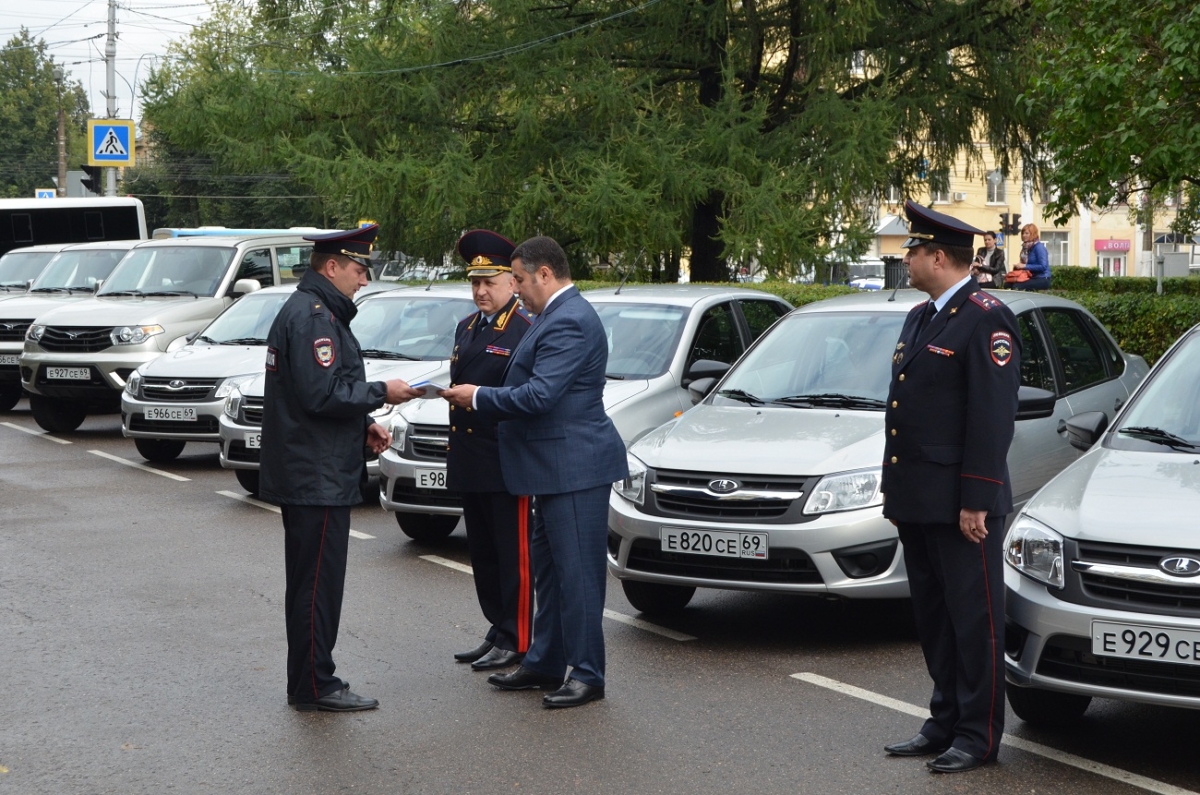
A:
236	453
1049	641
109	370
398	491
801	558
205	428
10	355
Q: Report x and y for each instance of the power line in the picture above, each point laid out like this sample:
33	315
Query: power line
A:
64	19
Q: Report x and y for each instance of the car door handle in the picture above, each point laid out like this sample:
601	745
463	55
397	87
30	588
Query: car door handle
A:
1062	425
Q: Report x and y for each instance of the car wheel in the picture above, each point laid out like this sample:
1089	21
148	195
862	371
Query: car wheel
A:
1046	707
426	528
160	450
653	597
9	397
56	416
248	480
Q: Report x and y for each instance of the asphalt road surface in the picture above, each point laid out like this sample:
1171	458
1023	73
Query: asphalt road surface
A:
142	634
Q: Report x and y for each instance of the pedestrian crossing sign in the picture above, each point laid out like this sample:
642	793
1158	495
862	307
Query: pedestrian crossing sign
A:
111	142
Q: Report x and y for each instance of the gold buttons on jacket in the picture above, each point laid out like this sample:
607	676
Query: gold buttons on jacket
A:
452	408
453	428
901	377
893	431
468	408
895	403
469	430
894	459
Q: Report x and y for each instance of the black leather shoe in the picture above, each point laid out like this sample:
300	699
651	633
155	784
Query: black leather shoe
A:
573	693
917	746
954	761
524	679
497	658
338	701
475	653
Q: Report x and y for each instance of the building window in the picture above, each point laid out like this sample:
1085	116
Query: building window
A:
939	196
1058	247
996	193
892	195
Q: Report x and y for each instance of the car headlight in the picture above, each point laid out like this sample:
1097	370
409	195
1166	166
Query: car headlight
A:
134	384
134	335
846	492
227	386
35	332
233	403
633	488
398	429
1035	550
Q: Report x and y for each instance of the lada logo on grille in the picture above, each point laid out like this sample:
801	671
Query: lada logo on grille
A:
1180	566
176	384
72	334
723	486
10	326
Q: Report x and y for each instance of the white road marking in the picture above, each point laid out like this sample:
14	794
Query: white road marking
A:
613	614
266	506
1099	768
136	465
32	432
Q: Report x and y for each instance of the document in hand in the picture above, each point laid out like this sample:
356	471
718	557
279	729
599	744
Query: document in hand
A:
430	388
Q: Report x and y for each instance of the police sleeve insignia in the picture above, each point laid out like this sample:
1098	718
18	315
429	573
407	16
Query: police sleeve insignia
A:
323	351
1002	347
272	360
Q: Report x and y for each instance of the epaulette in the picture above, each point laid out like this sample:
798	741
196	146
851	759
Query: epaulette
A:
984	300
523	313
318	307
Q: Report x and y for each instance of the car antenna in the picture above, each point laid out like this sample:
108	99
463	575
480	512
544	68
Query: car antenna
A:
629	271
899	282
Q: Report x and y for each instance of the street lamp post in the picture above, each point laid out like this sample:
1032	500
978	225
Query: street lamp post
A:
62	135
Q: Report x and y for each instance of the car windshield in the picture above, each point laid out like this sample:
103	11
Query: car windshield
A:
170	270
18	267
246	322
641	337
1165	412
818	359
78	269
410	327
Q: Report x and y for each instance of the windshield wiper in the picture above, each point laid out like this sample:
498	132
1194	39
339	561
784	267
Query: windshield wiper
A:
1158	436
379	353
51	290
209	340
615	376
833	399
742	395
125	292
244	341
78	289
175	292
8	286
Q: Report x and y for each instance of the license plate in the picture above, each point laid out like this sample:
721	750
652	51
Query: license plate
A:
71	373
720	543
430	478
253	440
1137	642
170	413
9	358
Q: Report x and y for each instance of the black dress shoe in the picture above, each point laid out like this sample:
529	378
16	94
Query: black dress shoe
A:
573	693
954	761
497	658
917	746
475	653
338	701
524	679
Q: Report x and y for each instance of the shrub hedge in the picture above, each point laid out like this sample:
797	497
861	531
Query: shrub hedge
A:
1089	279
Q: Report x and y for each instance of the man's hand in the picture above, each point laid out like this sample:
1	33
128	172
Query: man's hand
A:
972	524
460	395
400	392
378	438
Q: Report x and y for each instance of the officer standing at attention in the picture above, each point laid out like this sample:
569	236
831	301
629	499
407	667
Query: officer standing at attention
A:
497	522
314	433
950	418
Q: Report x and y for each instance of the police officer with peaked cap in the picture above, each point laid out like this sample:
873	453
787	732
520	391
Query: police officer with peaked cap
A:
950	418
497	522
316	427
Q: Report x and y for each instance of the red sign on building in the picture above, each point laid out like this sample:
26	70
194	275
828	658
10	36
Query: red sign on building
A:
1112	245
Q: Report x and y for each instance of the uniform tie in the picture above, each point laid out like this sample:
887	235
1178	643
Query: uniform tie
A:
926	316
481	325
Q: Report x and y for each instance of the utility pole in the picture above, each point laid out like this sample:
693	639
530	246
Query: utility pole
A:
59	74
110	57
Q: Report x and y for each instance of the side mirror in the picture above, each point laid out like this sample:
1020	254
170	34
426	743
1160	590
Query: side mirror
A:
705	368
244	286
1034	403
1084	429
700	388
96	287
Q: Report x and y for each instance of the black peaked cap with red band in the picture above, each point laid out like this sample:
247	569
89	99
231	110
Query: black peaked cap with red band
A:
356	243
929	226
486	253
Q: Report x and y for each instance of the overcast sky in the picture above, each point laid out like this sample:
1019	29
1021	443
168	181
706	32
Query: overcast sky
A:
144	28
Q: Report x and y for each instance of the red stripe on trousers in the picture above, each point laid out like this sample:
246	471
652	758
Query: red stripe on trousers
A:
987	588
312	612
523	574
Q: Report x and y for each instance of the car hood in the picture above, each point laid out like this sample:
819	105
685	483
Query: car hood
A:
1124	496
29	306
207	361
617	392
96	311
766	440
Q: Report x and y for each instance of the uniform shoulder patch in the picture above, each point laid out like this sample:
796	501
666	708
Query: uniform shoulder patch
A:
984	300
316	307
272	360
524	315
1002	347
324	352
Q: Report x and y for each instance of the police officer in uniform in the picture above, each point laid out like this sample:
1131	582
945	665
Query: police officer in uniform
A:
950	415
497	522
315	431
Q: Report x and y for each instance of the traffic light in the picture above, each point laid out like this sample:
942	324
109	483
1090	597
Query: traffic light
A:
93	179
1004	223
1016	224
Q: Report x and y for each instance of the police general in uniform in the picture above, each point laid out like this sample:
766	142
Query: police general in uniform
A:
950	419
316	428
497	522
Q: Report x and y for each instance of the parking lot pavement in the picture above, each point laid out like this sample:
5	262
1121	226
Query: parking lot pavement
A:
142	628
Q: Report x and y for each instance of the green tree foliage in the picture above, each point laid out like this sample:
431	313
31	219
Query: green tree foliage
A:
29	102
1117	84
635	133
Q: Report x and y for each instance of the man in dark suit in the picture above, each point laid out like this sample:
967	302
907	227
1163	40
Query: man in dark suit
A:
557	444
497	522
950	418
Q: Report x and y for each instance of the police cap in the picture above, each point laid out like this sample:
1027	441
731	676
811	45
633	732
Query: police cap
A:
486	253
928	226
356	243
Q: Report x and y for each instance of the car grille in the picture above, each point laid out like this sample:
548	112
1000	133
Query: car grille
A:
203	424
238	451
679	493
409	494
14	330
76	339
790	566
1102	589
193	388
428	442
252	411
1071	659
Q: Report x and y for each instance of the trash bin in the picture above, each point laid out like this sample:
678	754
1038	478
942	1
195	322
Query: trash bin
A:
894	272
